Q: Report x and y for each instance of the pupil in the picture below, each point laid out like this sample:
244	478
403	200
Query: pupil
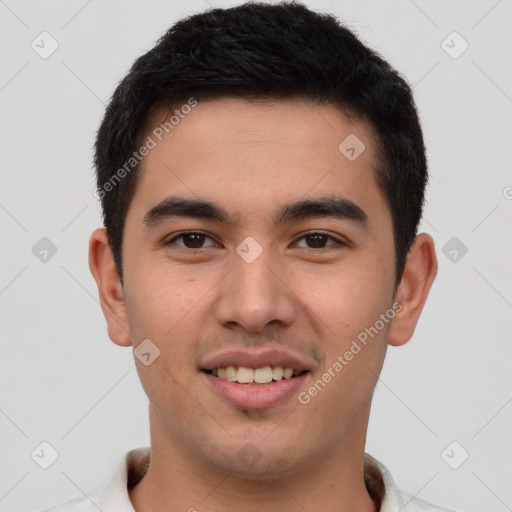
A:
193	240
317	240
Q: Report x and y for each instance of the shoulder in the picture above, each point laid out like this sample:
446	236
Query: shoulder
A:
115	495
82	504
382	488
410	503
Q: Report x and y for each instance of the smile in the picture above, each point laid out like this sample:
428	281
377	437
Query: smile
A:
256	379
263	375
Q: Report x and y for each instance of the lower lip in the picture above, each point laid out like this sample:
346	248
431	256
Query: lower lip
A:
255	396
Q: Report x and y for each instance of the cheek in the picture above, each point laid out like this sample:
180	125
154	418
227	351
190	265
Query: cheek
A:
168	308
346	301
354	341
160	301
168	316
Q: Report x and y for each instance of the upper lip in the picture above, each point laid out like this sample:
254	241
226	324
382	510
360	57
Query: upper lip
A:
259	359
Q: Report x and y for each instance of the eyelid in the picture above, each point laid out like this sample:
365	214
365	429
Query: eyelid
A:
338	239
176	236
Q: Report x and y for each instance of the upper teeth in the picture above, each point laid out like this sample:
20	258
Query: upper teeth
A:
245	375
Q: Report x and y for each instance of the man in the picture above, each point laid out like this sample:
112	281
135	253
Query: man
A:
262	177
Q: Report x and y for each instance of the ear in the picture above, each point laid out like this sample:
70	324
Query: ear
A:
103	268
419	274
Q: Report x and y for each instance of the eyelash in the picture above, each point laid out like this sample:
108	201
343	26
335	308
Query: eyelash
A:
337	242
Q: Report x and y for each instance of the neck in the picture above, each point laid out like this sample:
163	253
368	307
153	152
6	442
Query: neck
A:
178	481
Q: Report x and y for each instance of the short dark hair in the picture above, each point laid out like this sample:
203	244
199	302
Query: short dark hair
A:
279	51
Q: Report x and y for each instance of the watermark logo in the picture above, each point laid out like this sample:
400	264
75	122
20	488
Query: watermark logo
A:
454	249
249	249
455	455
249	454
44	250
44	45
351	147
146	352
454	45
44	455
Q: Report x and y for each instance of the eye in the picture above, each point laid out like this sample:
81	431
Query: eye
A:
192	240
318	240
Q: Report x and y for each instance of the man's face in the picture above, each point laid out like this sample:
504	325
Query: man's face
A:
262	287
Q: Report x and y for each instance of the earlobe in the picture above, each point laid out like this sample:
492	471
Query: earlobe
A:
110	289
417	279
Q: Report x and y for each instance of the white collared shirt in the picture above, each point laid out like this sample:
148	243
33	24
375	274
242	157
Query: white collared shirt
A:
114	496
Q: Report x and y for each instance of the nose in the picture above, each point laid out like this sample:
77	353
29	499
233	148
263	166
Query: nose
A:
255	295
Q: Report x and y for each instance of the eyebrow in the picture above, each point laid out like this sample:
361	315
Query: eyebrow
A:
331	206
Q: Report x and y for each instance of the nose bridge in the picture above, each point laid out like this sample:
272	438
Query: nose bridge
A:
252	295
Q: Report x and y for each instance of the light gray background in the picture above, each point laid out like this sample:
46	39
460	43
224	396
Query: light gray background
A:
64	382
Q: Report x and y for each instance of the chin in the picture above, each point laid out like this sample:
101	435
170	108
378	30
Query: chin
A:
251	463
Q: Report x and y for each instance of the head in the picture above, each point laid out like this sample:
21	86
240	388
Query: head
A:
268	130
278	52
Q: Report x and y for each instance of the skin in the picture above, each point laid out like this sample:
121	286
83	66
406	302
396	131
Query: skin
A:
249	158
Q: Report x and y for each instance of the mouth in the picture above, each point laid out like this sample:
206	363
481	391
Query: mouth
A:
254	376
255	380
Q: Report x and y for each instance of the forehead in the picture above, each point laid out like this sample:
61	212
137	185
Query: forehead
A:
247	154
